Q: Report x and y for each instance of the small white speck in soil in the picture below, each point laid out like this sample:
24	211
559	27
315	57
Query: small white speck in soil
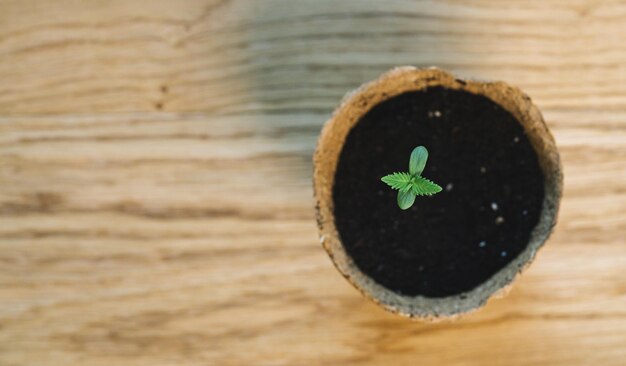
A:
483	169
494	206
503	254
516	139
482	244
499	220
449	187
432	114
525	212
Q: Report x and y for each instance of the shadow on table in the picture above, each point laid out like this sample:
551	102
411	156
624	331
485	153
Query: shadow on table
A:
303	57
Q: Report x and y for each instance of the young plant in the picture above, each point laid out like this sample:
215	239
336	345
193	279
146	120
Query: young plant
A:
412	184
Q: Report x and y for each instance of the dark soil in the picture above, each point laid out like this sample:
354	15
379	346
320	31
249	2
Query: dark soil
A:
453	241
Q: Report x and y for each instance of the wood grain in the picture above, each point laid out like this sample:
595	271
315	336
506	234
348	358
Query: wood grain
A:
155	166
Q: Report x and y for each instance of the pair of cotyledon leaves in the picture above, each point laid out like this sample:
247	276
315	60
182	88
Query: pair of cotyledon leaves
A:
412	184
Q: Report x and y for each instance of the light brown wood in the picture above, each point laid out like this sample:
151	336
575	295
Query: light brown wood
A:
155	180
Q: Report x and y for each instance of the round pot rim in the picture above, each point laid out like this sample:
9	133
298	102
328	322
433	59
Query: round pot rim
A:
392	83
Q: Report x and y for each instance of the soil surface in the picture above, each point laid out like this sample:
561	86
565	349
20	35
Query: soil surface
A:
453	241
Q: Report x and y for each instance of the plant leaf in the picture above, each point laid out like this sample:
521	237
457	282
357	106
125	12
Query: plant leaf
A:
424	187
417	162
405	199
399	181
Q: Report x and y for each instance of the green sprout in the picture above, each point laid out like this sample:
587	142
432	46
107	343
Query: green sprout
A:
412	184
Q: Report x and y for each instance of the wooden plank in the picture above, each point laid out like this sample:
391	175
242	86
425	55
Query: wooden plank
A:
155	167
254	56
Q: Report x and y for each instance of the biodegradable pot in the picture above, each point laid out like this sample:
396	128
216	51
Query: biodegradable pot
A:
493	154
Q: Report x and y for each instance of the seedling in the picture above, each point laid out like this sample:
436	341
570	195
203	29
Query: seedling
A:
412	184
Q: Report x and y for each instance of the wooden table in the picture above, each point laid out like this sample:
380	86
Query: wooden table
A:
155	180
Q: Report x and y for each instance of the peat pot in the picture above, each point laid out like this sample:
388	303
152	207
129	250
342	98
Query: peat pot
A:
500	173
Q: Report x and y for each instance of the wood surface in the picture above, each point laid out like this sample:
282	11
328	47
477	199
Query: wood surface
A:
155	180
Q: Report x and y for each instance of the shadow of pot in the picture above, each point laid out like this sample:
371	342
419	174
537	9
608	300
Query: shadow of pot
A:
327	155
